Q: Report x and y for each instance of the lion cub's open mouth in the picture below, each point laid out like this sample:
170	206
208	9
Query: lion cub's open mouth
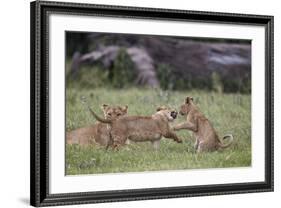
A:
174	114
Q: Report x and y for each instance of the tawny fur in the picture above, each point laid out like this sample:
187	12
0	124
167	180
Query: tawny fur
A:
99	133
142	128
203	131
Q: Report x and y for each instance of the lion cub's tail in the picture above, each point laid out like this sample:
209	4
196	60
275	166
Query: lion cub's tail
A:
229	143
103	120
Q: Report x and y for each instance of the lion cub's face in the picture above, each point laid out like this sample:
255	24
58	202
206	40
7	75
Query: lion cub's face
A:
186	107
169	113
114	112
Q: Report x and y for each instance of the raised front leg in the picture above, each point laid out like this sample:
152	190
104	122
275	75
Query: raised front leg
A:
186	125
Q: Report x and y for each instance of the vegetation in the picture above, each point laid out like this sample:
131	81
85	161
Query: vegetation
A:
93	76
181	63
229	113
216	83
123	73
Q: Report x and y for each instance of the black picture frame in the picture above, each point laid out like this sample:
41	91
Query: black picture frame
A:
39	156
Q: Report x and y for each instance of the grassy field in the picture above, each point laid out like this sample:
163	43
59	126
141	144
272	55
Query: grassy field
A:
229	113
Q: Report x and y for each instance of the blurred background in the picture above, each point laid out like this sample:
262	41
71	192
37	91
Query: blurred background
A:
95	60
145	72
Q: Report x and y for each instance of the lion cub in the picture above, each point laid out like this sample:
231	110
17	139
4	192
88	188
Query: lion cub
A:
98	133
142	128
205	135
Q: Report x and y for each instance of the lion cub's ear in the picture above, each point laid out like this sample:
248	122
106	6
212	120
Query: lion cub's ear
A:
161	108
188	99
124	109
104	106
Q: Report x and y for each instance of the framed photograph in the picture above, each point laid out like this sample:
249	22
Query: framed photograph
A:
131	103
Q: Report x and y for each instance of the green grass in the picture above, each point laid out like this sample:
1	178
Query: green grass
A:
229	113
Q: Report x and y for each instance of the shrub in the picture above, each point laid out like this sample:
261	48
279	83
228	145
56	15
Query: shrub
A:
88	77
165	76
123	73
216	83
